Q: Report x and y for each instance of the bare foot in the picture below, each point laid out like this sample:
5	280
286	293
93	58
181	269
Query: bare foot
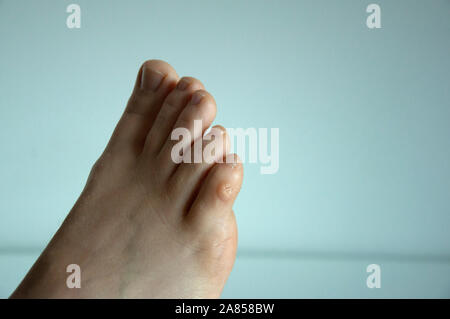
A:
144	226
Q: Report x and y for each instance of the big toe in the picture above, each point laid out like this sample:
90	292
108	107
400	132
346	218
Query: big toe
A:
155	80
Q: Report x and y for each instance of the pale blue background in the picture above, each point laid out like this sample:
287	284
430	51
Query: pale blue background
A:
364	118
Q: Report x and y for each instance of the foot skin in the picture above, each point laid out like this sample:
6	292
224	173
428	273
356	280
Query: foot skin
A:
144	226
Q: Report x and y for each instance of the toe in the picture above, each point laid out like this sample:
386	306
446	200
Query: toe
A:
154	82
213	205
191	125
172	106
214	146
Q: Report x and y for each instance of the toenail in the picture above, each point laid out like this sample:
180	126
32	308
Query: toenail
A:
217	130
233	164
151	79
197	97
232	161
182	85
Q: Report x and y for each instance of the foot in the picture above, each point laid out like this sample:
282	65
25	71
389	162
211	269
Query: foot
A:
145	226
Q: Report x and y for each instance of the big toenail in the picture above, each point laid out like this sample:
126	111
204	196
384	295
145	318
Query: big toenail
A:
182	85
197	97
151	79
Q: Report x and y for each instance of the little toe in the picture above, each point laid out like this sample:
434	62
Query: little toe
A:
217	194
